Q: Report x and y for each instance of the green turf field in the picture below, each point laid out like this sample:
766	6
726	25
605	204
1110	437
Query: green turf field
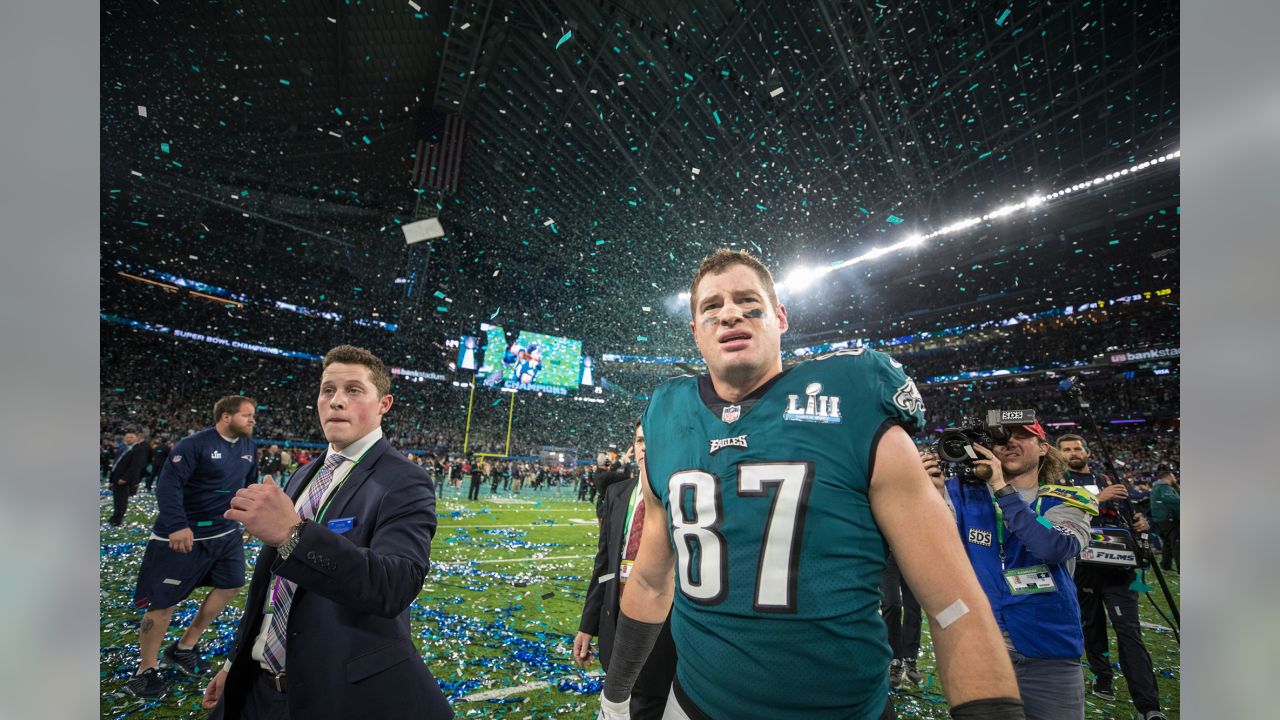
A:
495	620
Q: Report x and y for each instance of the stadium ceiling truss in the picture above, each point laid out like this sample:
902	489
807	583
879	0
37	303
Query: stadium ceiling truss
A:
796	129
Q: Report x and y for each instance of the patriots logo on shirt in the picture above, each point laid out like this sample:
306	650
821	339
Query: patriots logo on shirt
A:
177	458
247	457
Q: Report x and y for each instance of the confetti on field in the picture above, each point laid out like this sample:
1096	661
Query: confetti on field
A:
988	192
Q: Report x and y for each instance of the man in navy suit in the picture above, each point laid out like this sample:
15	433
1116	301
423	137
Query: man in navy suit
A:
620	524
325	631
125	474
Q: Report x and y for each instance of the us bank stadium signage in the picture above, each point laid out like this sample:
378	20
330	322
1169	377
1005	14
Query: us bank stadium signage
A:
1143	355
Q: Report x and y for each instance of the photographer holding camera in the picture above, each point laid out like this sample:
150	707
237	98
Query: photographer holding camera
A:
1022	531
1108	590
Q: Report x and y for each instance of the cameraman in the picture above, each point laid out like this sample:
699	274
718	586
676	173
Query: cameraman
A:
1166	512
1107	591
1022	531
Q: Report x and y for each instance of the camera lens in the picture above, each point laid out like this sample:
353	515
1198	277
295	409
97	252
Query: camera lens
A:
952	447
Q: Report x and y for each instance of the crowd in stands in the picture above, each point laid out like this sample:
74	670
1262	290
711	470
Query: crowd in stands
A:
1056	341
166	386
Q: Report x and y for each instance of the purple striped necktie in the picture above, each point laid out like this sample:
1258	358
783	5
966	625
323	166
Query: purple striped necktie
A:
281	589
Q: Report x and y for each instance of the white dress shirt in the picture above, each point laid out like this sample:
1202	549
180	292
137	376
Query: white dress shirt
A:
352	452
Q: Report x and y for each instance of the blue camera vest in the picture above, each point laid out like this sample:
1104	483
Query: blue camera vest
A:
1041	625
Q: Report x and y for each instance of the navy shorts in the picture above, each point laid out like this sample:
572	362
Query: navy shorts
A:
167	577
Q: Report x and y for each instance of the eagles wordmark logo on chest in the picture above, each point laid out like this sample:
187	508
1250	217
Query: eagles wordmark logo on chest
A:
817	407
722	443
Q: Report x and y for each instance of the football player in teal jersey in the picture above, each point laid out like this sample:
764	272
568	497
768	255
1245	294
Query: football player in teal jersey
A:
770	495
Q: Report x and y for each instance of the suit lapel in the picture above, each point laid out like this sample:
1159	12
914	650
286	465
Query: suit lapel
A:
345	492
267	556
299	479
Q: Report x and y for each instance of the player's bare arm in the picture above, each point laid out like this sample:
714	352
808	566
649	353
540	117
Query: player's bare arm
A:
972	659
652	582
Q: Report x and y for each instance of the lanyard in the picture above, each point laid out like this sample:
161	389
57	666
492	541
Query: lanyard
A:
1000	526
268	606
631	509
334	490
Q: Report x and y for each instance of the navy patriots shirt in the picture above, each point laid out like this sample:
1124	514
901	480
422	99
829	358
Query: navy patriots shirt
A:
199	478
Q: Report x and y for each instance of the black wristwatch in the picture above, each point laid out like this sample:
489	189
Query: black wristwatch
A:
1005	491
292	542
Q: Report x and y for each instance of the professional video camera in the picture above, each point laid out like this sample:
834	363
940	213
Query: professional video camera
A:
955	445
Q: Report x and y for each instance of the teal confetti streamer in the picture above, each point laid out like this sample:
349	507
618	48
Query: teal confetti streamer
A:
1004	16
894	219
564	39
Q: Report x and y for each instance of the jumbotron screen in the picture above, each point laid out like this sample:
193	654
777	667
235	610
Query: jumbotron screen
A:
495	344
535	359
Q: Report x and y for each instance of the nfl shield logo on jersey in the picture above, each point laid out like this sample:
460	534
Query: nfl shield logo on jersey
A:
731	413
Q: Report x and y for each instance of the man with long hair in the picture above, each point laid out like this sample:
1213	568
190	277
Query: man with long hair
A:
1022	530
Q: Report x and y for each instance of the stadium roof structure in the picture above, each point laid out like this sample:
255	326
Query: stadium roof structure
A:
613	144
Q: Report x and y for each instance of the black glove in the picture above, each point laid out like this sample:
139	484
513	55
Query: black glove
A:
989	709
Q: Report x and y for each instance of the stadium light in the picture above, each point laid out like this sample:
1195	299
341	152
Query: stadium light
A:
802	278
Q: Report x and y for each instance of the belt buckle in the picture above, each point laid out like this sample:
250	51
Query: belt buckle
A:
276	681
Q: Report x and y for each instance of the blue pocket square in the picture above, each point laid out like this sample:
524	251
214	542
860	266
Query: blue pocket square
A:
341	525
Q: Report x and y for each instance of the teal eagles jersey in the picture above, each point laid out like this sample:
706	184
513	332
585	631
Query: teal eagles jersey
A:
778	558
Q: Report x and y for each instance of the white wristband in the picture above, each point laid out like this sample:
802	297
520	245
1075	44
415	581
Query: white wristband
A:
610	709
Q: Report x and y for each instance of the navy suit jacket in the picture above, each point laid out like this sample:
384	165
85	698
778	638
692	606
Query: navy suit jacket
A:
349	651
131	464
602	606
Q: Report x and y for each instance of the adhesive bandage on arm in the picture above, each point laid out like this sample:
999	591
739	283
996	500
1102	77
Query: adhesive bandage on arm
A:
952	613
